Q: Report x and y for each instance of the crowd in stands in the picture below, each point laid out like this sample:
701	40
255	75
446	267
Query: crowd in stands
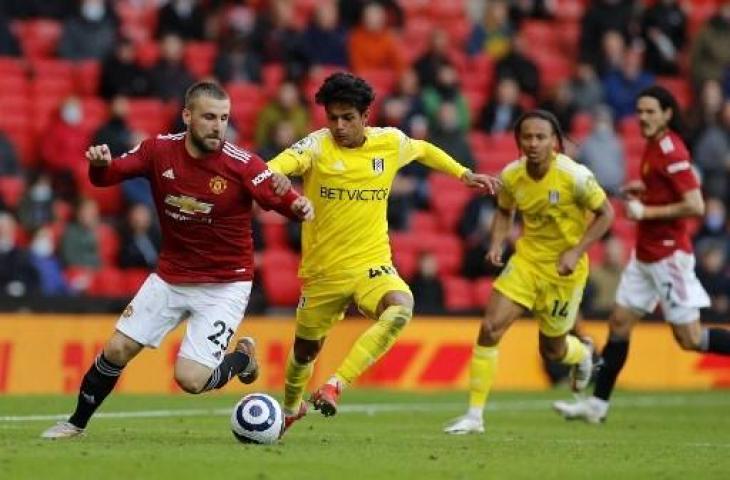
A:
457	73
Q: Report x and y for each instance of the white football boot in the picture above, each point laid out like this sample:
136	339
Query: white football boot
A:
62	430
580	373
464	425
591	409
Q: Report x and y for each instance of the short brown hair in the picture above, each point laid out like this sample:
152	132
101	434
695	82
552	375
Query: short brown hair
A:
209	89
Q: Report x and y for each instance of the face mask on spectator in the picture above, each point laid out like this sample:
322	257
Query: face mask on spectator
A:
715	221
41	192
71	114
93	11
183	7
42	246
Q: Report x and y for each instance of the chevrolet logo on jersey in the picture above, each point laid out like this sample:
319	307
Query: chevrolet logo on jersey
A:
187	204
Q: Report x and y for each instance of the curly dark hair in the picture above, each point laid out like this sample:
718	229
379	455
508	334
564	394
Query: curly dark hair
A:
342	87
542	115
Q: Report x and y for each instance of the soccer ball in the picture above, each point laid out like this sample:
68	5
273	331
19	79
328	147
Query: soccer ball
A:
257	418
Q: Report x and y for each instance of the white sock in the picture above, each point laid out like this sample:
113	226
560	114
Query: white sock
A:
475	412
599	404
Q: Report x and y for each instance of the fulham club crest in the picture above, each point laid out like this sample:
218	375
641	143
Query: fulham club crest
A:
378	165
553	197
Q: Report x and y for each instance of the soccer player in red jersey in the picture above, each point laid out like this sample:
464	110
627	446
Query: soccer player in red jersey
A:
204	188
661	271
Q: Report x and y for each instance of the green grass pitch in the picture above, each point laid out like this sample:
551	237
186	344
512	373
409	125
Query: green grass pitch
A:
377	435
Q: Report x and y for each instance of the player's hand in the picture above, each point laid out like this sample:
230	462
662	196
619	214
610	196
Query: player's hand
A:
99	155
567	261
634	209
633	189
280	183
481	182
494	256
303	208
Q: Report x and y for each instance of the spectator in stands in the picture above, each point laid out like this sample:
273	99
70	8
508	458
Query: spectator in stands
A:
236	62
325	39
664	30
448	134
351	11
120	73
426	286
9	164
714	223
287	106
36	205
711	154
139	239
90	34
613	52
712	271
372	45
277	39
42	257
474	228
586	88
604	277
184	18
621	87
283	135
710	55
492	36
520	10
234	19
446	89
602	152
62	147
9	45
17	275
561	103
600	17
79	242
403	104
169	78
517	65
115	132
428	65
500	113
706	111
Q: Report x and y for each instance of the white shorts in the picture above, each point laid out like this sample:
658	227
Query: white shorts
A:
670	282
213	312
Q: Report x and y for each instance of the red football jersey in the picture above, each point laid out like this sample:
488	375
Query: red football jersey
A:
667	173
204	205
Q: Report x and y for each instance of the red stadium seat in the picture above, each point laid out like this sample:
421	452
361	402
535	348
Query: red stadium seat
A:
39	37
423	222
281	287
406	261
680	88
149	115
107	282
108	244
458	293
134	278
275	235
271	76
582	125
147	53
448	197
279	259
199	57
11	189
382	81
96	112
482	290
88	74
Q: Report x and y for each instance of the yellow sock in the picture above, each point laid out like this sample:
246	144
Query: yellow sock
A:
481	375
576	351
374	343
297	377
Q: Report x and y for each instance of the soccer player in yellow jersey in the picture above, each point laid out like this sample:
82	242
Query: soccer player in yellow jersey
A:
564	211
347	169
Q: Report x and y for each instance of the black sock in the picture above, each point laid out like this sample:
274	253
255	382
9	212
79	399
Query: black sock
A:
718	341
98	382
232	364
614	356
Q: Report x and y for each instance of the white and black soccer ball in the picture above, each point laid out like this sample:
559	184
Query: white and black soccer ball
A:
257	418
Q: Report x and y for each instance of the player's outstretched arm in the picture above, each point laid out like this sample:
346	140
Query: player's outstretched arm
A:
481	181
601	223
280	183
99	155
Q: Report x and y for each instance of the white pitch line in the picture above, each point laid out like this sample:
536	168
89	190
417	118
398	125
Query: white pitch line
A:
647	401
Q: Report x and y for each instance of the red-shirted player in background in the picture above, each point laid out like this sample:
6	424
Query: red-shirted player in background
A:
661	271
204	189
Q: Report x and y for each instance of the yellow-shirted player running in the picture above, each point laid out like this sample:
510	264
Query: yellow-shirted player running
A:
347	170
547	273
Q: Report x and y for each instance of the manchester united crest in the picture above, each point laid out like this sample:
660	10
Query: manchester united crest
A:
218	184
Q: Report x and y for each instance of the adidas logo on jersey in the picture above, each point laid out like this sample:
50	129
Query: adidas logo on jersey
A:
169	174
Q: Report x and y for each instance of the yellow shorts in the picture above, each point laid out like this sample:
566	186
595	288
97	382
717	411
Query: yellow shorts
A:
324	300
553	299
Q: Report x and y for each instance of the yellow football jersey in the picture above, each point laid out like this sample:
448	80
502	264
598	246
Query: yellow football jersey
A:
554	209
349	188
